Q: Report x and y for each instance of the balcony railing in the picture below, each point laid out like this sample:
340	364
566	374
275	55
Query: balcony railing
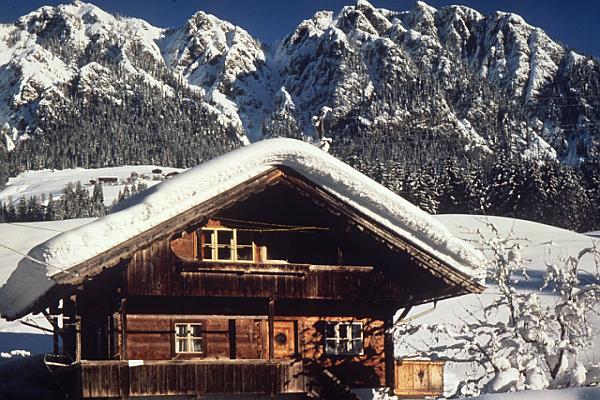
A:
104	379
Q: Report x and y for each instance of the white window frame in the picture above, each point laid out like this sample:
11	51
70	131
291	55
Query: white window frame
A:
214	245
189	338
333	344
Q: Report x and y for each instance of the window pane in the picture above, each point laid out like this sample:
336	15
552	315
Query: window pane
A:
181	330
244	253
331	346
224	237
224	253
207	252
343	338
343	347
344	331
206	245
182	345
330	330
356	331
197	345
197	330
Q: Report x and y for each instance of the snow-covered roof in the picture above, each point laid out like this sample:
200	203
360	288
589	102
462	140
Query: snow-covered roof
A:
34	275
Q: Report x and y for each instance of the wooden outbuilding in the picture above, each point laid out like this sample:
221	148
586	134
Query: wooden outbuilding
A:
108	180
283	280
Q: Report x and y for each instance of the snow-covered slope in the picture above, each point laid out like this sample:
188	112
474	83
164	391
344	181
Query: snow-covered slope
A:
539	244
52	182
584	393
226	63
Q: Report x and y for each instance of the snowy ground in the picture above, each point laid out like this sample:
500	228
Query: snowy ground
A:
540	244
36	183
586	393
17	239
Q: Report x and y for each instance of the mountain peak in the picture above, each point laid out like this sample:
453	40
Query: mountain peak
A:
422	6
363	4
349	62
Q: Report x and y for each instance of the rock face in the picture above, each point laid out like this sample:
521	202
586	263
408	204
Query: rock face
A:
484	82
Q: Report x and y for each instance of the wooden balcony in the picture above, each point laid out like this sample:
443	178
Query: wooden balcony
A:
122	379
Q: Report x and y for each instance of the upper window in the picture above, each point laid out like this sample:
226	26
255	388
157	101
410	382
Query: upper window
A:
215	242
224	244
344	338
188	338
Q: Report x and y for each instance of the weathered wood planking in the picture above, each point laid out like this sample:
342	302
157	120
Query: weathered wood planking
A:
157	271
151	337
419	378
367	370
105	379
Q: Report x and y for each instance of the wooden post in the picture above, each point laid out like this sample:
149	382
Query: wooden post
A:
390	362
68	326
77	338
271	329
232	339
124	329
52	317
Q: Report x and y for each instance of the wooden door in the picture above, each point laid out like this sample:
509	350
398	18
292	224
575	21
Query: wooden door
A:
419	378
284	335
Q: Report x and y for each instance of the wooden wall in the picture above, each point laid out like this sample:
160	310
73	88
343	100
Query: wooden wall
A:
151	337
156	271
367	370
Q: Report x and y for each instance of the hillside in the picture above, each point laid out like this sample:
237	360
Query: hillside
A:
396	90
366	64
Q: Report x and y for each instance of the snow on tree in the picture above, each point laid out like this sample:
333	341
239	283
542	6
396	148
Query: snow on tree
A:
520	340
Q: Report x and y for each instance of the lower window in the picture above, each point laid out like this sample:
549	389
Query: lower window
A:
188	338
344	338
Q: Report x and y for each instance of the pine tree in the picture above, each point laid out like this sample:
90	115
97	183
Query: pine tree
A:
21	212
34	210
51	212
98	208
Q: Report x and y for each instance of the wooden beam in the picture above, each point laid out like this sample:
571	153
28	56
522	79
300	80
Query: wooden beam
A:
41	328
388	348
271	329
68	323
124	329
404	313
77	338
232	339
55	328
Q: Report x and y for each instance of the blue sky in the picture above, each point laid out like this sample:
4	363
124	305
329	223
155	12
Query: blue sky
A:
574	22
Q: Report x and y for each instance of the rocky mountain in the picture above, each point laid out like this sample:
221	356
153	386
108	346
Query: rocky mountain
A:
82	87
423	69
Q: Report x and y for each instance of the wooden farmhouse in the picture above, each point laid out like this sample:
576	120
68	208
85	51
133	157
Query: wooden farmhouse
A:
274	271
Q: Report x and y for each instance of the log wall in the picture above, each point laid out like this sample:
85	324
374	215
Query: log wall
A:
157	271
151	337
